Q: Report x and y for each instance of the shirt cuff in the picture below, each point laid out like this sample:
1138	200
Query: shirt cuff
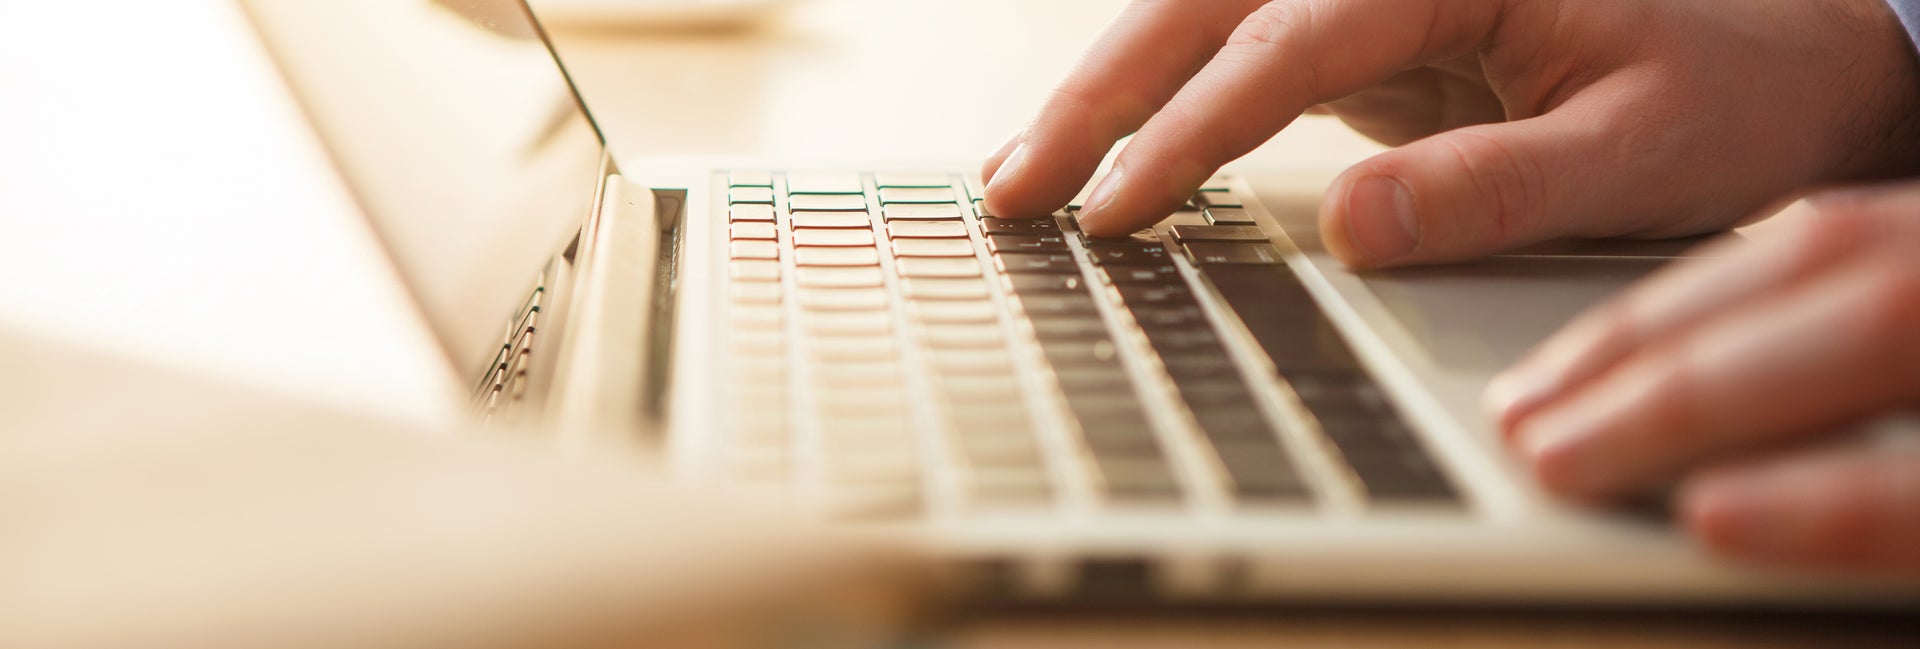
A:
1909	12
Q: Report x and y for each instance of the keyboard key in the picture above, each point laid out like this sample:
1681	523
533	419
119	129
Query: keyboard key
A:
1127	255
992	226
831	277
833	238
1008	486
804	220
1059	304
909	212
1170	340
1092	378
1262	472
927	230
1015	262
1162	275
843	299
1186	217
1082	352
750	179
1229	216
912	179
933	248
1212	253
972	362
1183	367
826	203
751	231
938	267
940	336
1001	243
754	195
1151	295
840	324
980	208
1082	329
1243	233
1131	480
1025	283
898	195
755	270
756	317
1283	318
933	288
853	349
815	256
808	182
750	213
1159	318
1211	198
955	312
755	292
754	250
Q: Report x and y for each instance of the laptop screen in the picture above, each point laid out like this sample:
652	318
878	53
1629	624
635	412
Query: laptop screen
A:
461	139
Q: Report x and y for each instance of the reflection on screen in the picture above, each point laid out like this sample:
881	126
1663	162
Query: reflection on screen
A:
459	135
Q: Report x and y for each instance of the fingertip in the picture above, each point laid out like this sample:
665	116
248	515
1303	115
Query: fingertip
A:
1713	513
998	158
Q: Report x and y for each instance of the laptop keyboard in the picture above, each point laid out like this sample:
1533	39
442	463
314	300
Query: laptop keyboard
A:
891	345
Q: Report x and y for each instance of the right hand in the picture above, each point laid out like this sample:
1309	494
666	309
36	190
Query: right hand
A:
1523	120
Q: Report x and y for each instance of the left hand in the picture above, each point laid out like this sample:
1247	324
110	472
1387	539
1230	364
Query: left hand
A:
1720	374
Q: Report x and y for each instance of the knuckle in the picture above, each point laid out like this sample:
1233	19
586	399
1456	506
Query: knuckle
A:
1273	25
1507	183
1897	300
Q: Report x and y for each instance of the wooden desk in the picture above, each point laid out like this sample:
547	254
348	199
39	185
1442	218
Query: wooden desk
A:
916	80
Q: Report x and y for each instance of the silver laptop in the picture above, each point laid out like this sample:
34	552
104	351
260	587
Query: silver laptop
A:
1208	410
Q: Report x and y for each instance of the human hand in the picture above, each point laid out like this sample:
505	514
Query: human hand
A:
1731	374
1548	118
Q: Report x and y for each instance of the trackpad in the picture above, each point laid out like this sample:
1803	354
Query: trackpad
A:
1480	317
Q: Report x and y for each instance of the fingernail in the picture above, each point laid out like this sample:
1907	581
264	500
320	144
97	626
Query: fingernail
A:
1381	218
1100	200
1514	394
1557	447
1010	168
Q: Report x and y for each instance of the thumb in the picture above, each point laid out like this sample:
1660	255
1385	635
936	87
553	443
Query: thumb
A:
1474	191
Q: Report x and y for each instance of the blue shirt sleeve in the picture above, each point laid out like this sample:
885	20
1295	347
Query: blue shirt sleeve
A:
1909	12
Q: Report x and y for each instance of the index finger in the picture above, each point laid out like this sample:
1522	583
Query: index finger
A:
1286	57
1137	65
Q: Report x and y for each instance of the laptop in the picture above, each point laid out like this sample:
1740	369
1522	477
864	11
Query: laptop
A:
1208	410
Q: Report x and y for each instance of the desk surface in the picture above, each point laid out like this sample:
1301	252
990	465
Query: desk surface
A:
916	80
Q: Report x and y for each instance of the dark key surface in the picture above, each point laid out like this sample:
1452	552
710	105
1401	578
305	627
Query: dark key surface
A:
1312	357
1242	233
1216	198
1205	365
1142	295
1027	242
1069	328
1067	352
1036	262
991	226
1229	216
1282	317
1217	253
1161	275
1107	254
1028	283
1060	304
